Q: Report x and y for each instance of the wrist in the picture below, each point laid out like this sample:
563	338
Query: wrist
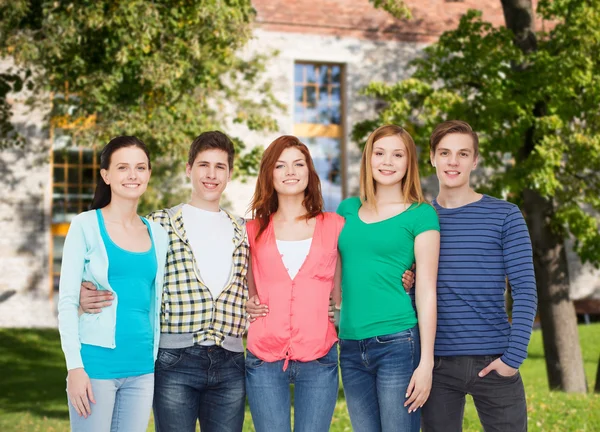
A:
426	362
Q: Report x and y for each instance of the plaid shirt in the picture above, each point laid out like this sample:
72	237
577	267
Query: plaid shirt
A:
188	305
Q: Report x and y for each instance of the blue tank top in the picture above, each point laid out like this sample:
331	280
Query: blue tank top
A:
131	276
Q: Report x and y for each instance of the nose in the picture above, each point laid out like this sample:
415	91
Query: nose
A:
453	160
132	174
291	171
211	172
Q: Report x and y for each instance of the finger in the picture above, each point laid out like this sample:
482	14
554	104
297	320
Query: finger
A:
414	266
90	393
332	319
413	397
256	300
89	286
74	405
86	404
486	370
79	406
409	391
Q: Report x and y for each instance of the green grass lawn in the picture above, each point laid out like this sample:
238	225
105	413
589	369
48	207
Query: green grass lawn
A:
33	398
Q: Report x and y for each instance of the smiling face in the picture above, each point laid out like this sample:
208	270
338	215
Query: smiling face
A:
128	173
209	175
290	175
389	160
454	159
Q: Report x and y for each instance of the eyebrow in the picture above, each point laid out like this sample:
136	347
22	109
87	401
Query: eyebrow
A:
207	162
464	149
381	148
297	160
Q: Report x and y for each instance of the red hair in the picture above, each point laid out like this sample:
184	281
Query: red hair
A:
265	202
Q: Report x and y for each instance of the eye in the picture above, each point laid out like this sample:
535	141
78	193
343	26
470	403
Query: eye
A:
221	167
142	168
279	166
399	155
463	154
202	165
300	164
444	153
378	153
122	167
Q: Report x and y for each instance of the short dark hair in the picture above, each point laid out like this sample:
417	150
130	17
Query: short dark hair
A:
211	140
453	127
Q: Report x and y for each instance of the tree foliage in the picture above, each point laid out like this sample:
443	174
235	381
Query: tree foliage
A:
470	74
164	71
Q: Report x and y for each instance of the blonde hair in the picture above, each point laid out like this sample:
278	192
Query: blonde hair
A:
410	183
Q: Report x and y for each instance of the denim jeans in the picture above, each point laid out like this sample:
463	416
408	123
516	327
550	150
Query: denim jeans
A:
122	405
204	383
315	393
376	373
499	400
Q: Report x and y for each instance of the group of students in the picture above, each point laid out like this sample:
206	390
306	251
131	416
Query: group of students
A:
152	311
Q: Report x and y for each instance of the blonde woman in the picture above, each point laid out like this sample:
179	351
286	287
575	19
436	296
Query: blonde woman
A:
386	367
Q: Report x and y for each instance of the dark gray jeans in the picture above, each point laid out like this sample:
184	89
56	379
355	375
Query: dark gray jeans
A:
500	401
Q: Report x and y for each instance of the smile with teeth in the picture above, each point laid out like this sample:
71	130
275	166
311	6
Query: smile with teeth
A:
387	172
291	181
452	173
131	185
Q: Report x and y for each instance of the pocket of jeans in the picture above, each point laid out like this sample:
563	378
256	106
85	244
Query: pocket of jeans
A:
403	336
239	361
168	358
504	377
253	362
331	358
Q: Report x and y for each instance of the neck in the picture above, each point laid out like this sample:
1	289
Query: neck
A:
457	197
212	206
121	210
388	194
290	207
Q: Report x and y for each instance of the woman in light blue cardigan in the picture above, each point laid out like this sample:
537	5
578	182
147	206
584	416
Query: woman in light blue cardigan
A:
110	356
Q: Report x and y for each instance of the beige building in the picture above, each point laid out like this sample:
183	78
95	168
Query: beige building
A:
328	50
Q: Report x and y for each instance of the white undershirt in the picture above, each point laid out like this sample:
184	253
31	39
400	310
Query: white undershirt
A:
211	237
293	253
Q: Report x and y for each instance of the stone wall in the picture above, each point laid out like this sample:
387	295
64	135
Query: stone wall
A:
25	201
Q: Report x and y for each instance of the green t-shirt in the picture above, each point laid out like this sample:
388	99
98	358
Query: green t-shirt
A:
374	257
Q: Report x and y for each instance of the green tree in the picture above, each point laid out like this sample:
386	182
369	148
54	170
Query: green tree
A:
535	99
164	71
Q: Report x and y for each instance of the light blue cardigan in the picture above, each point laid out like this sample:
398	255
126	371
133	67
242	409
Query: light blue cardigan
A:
85	259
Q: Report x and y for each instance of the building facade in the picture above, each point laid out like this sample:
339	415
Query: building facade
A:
325	52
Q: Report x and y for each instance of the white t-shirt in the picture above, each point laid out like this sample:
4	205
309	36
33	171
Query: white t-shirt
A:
293	253
211	237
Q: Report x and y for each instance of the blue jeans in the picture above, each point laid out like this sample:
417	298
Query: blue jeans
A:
315	393
122	404
204	383
376	373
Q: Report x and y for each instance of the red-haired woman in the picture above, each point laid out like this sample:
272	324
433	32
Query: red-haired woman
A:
293	248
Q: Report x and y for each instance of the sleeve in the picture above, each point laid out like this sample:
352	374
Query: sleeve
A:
342	208
426	220
71	275
518	265
160	217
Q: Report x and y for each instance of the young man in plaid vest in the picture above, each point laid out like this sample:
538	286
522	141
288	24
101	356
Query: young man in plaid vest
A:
200	367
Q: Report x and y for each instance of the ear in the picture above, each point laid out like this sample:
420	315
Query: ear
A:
432	158
104	175
230	174
476	161
188	170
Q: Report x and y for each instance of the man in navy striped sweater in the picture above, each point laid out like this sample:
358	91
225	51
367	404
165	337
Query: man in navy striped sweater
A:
484	241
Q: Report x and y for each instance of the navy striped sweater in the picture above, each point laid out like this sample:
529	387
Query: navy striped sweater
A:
482	243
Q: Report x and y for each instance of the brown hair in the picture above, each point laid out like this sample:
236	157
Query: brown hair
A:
453	127
211	140
410	184
265	202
